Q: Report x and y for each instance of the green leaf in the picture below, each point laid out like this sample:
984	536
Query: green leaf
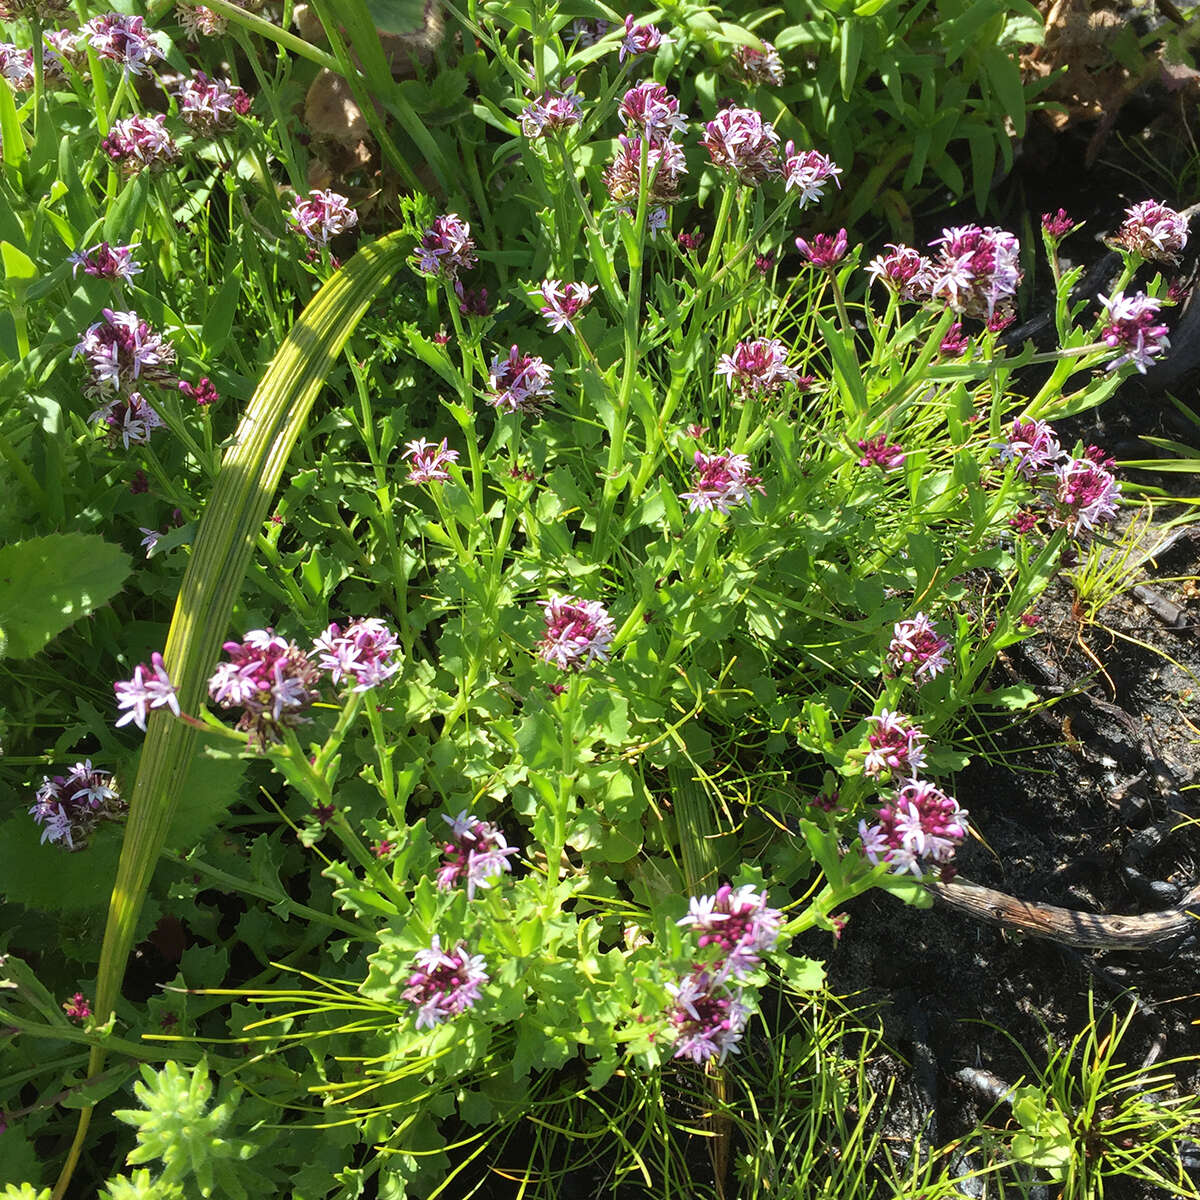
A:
18	266
48	583
125	215
11	136
397	16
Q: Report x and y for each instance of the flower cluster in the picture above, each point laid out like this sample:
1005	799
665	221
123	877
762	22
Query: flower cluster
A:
878	452
69	807
203	393
904	271
210	106
721	482
1086	496
519	383
585	33
444	985
365	652
322	216
739	141
757	66
1032	445
106	262
708	1017
477	854
826	250
1057	225
638	39
578	632
445	248
150	688
555	111
272	680
896	746
198	21
429	462
665	166
739	923
650	108
916	645
562	302
975	269
807	172
124	40
921	826
1132	328
123	351
1154	231
129	420
758	367
16	65
136	142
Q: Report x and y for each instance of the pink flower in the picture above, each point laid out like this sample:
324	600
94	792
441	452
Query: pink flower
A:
446	247
1131	327
149	688
638	39
665	164
322	216
1033	446
106	262
741	142
921	827
365	653
1057	224
198	21
758	66
825	250
69	807
129	420
904	271
562	302
429	462
137	142
519	383
808	171
77	1008
721	482
708	1017
203	393
554	112
651	108
124	40
1087	495
444	985
211	106
895	746
121	351
739	923
1153	231
578	633
471	302
975	269
758	367
877	452
270	679
955	343
477	853
916	644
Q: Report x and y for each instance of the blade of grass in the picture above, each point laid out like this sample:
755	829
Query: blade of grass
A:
225	540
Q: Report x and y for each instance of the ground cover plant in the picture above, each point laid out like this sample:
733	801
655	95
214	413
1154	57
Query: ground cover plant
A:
467	634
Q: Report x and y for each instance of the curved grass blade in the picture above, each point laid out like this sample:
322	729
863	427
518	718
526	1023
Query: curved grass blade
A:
229	526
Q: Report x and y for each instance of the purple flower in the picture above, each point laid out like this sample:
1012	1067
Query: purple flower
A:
921	826
129	420
757	66
106	262
955	343
664	165
1087	495
149	688
364	653
270	679
138	142
121	351
651	108
198	21
555	111
738	923
124	40
445	248
585	33
444	985
825	250
210	106
691	241
1032	445
562	302
739	141
975	269
638	39
520	382
1131	327
895	745
721	481
1153	231
471	302
905	271
808	171
916	644
1057	224
578	632
77	1008
429	462
322	216
203	393
708	1017
477	853
16	65
149	540
69	807
757	367
878	452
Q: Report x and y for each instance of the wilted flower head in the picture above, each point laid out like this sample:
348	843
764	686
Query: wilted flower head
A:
917	646
322	216
638	39
904	270
738	922
553	112
137	142
1032	445
198	21
520	382
16	65
975	269
130	420
446	247
708	1017
921	827
721	481
122	351
664	165
586	33
895	745
1087	495
12	10
1154	231
825	250
878	452
562	302
444	985
64	45
1057	224
758	66
106	262
740	141
123	39
365	653
648	106
808	171
69	807
429	462
1131	327
578	632
210	106
477	853
757	367
149	688
270	679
